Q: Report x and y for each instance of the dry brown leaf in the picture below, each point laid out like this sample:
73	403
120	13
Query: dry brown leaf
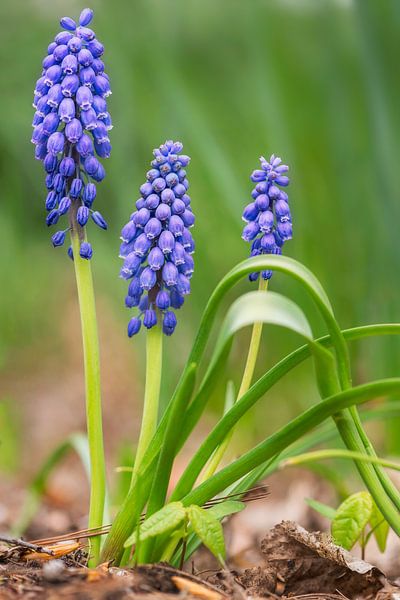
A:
196	589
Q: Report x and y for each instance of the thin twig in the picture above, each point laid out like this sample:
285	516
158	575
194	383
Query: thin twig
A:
28	545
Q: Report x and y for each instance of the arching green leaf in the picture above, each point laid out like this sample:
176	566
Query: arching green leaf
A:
209	530
165	519
351	518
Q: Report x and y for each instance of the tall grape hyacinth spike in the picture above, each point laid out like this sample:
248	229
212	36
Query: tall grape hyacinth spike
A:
157	245
268	220
71	125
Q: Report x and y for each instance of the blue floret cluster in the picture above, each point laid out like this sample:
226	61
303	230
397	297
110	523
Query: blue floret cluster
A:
268	220
157	245
70	126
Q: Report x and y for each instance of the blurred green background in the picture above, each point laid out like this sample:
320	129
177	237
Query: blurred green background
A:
314	81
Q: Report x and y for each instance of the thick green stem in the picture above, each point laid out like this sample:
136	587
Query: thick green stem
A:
152	392
91	356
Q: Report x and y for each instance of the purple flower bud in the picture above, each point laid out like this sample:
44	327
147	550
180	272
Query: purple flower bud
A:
250	231
82	215
262	202
76	187
89	194
141	217
48	62
53	75
282	210
101	86
178	207
68	23
131	266
170	274
285	230
63	37
99	220
100	133
100	106
158	184
152	201
58	238
268	242
163	212
69	85
50	163
42	86
56	142
91	165
69	64
59	183
176	225
100	173
60	52
66	110
152	174
188	218
85	57
85	33
166	242
274	192
134	326
148	278
155	258
179	190
75	44
188	267
70	253
178	254
131	301
55	96
38	135
51	47
282	180
98	66
52	217
85	146
43	108
167	196
162	300
86	251
51	201
183	285
96	48
141	203
87	76
169	322
258	175
85	17
172	180
73	131
41	151
128	232
84	97
177	299
89	119
187	241
146	189
67	167
150	318
253	276
134	288
142	245
153	228
266	221
50	123
64	205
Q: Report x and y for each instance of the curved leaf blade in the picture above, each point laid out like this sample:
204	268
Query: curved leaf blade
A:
167	518
209	530
351	518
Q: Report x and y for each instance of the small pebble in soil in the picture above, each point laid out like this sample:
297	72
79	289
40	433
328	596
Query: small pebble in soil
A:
53	570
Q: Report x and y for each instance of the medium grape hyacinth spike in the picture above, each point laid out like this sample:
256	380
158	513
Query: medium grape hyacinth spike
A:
269	223
71	125
157	245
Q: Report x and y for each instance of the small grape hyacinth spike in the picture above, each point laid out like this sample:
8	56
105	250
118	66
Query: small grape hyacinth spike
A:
71	125
267	217
157	244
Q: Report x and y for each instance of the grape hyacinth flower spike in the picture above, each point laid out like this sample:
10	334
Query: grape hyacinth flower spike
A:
157	245
70	127
268	220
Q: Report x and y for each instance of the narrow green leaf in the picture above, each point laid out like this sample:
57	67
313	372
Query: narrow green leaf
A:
224	509
351	518
165	519
209	530
379	527
323	509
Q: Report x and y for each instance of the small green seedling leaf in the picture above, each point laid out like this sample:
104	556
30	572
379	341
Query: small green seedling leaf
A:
224	509
209	530
167	518
321	508
351	518
379	527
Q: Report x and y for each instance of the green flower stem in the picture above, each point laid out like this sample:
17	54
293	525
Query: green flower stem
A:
291	432
310	457
244	386
154	341
91	356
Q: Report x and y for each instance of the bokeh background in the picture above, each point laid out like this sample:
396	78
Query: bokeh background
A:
314	81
